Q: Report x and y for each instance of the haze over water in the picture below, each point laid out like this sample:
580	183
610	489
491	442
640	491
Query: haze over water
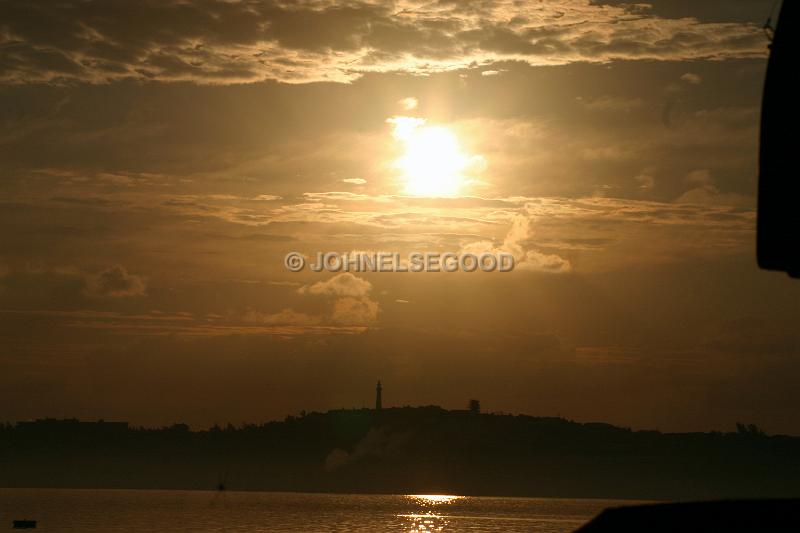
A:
173	511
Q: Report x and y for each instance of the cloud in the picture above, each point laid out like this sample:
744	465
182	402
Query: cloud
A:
704	191
541	262
116	282
267	198
611	103
355	311
691	78
344	284
645	180
700	176
409	103
352	306
517	242
286	323
355	181
221	42
347	311
286	317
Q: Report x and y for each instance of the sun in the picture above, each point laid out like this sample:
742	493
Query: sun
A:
432	163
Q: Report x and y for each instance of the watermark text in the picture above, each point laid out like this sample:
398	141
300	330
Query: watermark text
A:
395	262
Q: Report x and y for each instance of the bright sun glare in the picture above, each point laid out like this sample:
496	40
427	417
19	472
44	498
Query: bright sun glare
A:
432	163
434	499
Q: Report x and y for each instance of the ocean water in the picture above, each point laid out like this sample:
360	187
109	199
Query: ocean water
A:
131	511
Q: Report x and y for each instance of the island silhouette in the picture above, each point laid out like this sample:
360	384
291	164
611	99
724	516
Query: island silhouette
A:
405	450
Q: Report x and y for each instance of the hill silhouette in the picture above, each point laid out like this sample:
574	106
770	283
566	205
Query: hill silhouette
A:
406	450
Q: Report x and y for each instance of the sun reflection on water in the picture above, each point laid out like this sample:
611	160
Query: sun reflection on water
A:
427	519
433	499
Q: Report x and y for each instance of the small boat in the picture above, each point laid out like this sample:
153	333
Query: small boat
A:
23	524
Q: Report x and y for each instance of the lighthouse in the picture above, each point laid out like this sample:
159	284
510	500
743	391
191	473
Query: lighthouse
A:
378	390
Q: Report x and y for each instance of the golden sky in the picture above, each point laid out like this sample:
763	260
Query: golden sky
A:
160	158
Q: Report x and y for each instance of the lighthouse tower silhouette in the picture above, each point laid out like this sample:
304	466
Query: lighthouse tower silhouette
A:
378	390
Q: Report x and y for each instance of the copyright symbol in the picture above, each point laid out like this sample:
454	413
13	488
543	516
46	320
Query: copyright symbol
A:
294	262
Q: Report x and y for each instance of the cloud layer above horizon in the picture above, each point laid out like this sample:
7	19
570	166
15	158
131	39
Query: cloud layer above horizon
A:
223	42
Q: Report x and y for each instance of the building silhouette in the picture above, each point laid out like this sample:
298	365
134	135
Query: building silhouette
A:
475	406
378	389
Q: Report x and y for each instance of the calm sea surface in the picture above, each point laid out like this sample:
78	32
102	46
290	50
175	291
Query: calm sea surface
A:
133	511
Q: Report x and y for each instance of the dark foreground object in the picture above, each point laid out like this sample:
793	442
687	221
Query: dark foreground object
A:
778	186
24	524
725	516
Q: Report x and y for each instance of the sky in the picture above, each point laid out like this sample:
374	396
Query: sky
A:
159	159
